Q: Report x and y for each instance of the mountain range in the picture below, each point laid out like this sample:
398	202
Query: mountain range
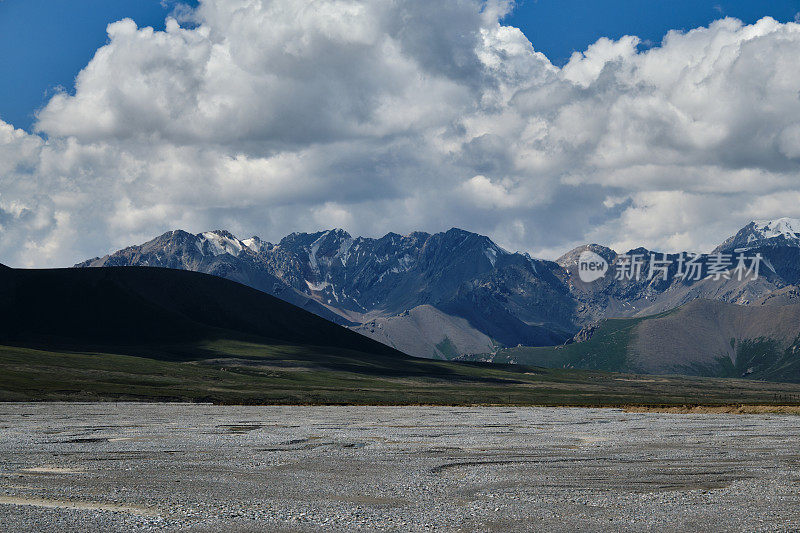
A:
457	293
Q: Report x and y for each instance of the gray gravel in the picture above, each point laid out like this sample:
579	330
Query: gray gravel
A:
171	467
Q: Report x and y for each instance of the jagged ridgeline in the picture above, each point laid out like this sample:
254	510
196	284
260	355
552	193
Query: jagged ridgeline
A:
456	293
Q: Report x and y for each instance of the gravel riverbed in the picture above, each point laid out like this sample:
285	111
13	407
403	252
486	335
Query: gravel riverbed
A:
178	467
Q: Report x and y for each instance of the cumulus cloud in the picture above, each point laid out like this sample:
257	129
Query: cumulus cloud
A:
482	192
278	116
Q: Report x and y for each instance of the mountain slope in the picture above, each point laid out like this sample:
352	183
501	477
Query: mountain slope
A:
763	233
716	338
132	306
703	337
428	332
217	253
510	298
653	292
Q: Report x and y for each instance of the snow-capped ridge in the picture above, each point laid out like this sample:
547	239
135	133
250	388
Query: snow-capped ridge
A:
788	227
256	244
783	231
219	242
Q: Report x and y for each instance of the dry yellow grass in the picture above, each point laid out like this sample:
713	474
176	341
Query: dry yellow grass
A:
719	409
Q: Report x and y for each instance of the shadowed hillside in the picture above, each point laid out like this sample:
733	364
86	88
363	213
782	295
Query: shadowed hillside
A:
135	306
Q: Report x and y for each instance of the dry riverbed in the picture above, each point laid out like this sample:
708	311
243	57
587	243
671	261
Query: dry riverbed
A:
154	467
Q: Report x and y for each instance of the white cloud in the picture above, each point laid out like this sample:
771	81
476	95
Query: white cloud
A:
483	193
279	116
584	68
668	221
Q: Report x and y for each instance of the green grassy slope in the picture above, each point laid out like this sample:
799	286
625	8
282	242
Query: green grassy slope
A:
702	338
606	350
226	371
763	358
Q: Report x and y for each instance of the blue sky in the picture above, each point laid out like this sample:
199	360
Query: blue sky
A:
45	43
559	27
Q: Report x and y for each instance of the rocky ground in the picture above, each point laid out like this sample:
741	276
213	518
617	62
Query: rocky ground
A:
169	467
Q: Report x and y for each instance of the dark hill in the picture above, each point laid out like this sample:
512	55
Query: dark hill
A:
134	306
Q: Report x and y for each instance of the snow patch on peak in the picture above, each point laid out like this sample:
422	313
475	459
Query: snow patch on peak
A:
492	251
344	250
218	243
312	253
406	262
768	229
778	232
255	244
491	255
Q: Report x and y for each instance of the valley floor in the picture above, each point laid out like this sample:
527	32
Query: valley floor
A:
124	466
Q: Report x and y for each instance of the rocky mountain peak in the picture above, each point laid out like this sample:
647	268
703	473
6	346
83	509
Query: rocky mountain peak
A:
223	233
219	242
256	244
777	232
570	259
789	227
